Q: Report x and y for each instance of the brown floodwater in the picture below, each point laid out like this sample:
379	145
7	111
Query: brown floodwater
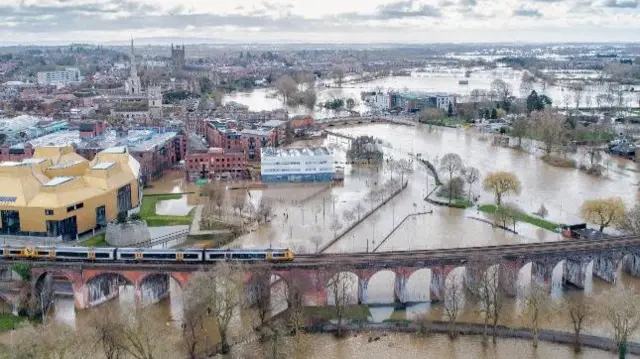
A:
305	210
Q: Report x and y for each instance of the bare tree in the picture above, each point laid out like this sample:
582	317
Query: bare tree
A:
316	240
451	163
359	209
286	87
550	128
341	290
220	293
621	307
335	226
261	293
348	216
502	89
239	203
578	91
536	308
338	74
51	340
580	313
488	292
453	302
630	223
107	329
296	315
519	129
265	209
404	167
471	175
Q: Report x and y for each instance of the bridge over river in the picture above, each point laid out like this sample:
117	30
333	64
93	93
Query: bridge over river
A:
94	283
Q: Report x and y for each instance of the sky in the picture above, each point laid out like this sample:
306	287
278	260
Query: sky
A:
321	21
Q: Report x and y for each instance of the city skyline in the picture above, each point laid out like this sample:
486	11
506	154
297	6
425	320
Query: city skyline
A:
377	21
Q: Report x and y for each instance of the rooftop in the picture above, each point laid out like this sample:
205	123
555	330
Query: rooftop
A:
137	140
103	165
57	180
294	152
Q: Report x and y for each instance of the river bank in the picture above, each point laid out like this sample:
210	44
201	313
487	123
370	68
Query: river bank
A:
466	329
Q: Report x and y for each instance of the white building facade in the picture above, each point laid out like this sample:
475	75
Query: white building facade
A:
69	75
312	164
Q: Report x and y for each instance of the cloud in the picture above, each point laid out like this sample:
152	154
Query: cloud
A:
621	4
468	2
523	12
405	9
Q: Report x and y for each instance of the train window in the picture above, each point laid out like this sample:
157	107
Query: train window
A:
191	255
15	252
127	255
102	255
159	255
215	255
42	253
71	254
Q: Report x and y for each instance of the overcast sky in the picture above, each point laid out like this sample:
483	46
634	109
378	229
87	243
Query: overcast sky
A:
343	21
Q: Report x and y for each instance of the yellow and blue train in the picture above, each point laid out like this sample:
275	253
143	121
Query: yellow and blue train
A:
186	255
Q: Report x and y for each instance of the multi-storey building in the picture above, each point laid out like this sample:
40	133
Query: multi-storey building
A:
154	149
296	165
216	163
57	193
65	77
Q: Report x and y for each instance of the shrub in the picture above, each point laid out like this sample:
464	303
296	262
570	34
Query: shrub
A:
457	188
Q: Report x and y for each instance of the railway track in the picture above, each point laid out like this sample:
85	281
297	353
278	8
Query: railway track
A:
451	255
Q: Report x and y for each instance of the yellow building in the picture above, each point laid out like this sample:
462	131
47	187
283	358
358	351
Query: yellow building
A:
59	193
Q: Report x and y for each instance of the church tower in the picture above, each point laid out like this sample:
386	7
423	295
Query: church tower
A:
132	84
154	96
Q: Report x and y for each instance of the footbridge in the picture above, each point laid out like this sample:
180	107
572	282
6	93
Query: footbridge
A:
94	283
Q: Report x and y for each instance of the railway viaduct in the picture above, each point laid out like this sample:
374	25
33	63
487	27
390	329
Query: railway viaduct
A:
96	283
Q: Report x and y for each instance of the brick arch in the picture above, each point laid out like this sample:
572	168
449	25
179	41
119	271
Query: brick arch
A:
132	277
183	279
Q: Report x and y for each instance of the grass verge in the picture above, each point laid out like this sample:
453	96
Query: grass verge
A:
524	217
95	241
10	321
148	211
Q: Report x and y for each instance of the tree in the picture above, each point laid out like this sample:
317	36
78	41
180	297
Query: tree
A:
219	294
431	115
295	301
52	340
261	294
578	91
580	313
488	291
338	75
451	163
450	110
341	291
542	212
217	96
519	129
537	102
501	183
603	212
471	175
453	303
335	226
404	167
348	216
621	307
216	196
536	308
359	209
503	91
286	87
265	209
630	223
550	128
350	103
106	329
316	240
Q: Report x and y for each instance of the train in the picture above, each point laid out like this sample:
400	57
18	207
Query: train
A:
142	255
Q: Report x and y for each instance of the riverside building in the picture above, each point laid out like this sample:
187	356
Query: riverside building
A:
314	164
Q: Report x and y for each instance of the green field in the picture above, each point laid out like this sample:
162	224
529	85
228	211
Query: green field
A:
10	321
352	312
148	211
524	217
95	241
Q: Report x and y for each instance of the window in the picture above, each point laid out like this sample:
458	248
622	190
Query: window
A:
48	212
70	209
79	205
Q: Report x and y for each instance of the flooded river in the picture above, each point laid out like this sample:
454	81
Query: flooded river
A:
432	80
307	210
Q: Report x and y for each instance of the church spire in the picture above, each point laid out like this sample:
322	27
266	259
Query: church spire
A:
134	68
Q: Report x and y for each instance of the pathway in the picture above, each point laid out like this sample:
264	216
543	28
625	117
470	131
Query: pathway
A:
195	225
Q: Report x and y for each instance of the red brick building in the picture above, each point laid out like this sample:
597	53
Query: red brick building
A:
216	163
16	153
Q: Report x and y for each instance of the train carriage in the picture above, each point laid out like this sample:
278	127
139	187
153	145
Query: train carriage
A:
159	255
